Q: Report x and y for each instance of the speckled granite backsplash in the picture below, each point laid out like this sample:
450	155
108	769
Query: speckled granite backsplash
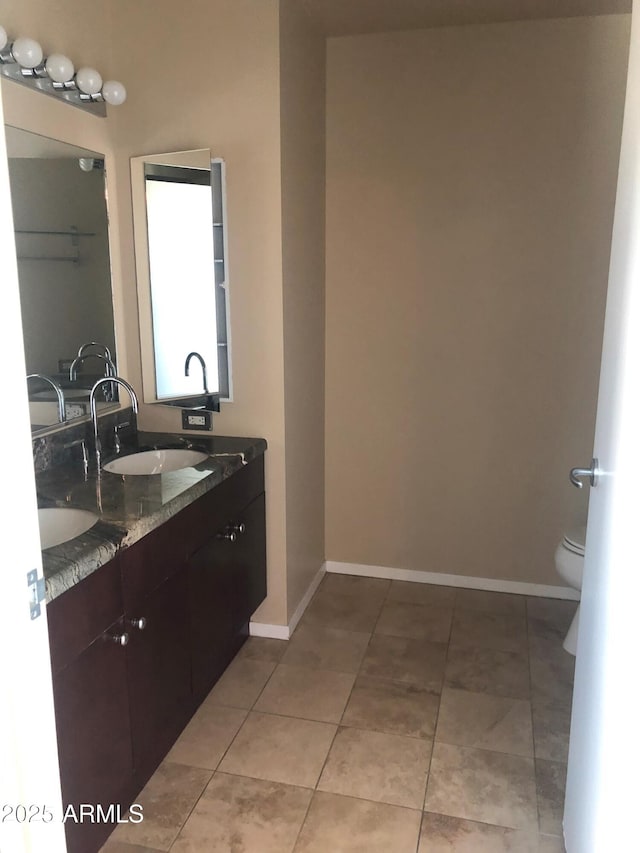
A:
54	449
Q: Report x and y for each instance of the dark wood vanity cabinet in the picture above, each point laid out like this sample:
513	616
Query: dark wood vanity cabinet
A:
89	669
227	574
182	597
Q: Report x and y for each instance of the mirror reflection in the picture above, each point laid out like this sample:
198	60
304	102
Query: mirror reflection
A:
178	202
62	246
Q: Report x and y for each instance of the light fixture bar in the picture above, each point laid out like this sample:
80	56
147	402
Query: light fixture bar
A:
22	61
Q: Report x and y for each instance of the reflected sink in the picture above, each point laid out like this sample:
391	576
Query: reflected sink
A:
155	461
60	524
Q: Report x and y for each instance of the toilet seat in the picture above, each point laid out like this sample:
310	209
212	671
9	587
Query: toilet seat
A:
574	540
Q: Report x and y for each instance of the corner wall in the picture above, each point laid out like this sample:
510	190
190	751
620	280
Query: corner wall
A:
471	178
302	123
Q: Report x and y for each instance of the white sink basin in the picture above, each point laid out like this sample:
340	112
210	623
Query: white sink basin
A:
155	461
60	524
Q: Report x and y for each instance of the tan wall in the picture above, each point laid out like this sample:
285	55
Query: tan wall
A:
208	76
470	189
302	118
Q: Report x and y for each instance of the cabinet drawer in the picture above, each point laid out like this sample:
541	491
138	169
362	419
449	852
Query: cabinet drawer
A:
83	613
225	502
149	562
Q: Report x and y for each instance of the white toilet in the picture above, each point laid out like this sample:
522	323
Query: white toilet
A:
569	564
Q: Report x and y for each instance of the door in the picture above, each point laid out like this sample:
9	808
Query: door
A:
28	755
601	800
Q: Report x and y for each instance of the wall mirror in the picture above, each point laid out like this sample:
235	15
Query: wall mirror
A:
62	245
179	216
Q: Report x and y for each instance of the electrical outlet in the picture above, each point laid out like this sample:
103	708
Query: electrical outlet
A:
196	419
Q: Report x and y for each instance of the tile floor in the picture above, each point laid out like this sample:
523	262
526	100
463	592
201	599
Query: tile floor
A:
399	717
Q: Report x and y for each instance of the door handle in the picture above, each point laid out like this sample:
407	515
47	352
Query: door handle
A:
576	474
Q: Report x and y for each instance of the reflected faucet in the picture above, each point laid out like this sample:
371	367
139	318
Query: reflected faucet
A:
109	366
204	368
112	380
105	349
62	415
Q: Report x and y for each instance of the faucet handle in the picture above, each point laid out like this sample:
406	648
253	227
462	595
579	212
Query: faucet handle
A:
80	442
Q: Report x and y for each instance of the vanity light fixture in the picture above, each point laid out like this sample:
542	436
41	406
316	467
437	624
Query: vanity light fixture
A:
22	60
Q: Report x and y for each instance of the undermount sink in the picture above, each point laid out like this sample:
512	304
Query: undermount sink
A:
60	524
155	462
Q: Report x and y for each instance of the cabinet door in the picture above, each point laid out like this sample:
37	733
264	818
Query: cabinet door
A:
159	672
250	564
211	606
94	736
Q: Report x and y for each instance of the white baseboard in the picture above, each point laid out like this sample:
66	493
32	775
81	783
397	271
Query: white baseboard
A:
306	598
264	629
283	632
464	581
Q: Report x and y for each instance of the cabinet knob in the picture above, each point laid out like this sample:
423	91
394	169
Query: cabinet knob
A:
120	639
229	535
140	623
240	527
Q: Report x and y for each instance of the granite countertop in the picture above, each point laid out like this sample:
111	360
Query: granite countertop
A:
130	507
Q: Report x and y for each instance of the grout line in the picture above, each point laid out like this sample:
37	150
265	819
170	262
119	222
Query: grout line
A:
533	731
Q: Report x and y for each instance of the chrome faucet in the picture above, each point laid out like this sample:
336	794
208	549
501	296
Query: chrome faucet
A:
62	415
115	380
204	368
109	366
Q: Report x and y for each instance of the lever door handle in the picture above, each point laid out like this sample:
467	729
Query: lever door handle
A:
576	474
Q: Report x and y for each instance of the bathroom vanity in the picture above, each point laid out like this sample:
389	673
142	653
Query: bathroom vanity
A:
145	611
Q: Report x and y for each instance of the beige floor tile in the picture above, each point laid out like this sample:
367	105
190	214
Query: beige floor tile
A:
551	779
241	683
490	602
167	800
444	834
551	725
550	617
411	661
123	847
207	736
349	612
321	647
244	816
338	824
479	785
480	630
489	671
552	669
374	766
313	694
263	648
486	722
393	707
550	844
279	749
420	622
422	593
361	587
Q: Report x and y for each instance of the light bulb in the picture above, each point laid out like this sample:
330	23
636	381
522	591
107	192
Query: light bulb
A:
59	68
3	38
114	93
86	164
27	52
89	80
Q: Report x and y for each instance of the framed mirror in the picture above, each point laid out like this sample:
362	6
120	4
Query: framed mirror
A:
180	237
62	246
